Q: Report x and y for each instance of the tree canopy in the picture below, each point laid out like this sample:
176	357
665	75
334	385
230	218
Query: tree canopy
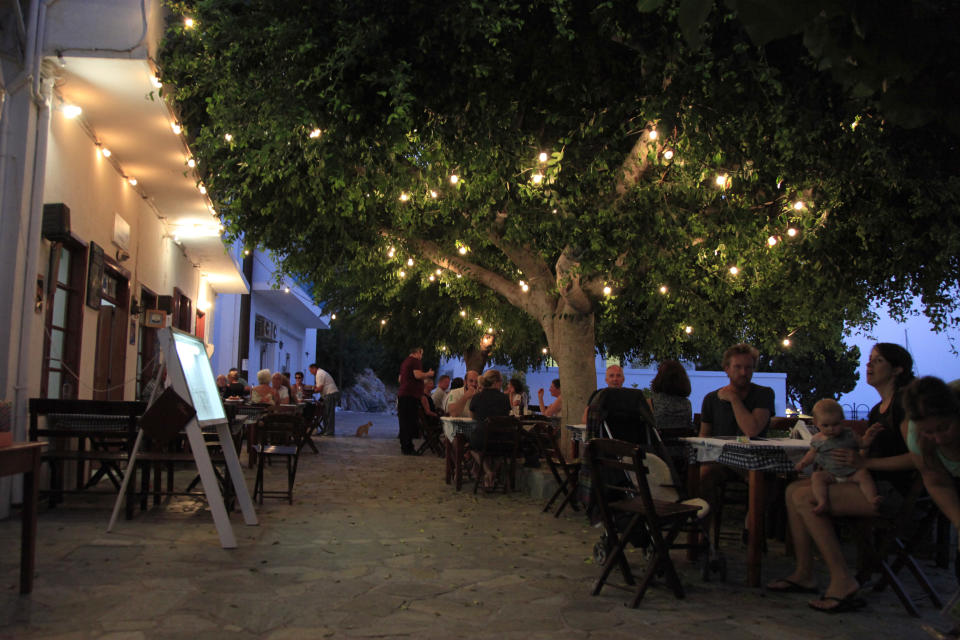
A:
569	175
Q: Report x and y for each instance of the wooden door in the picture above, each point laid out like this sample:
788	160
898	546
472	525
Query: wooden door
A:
110	363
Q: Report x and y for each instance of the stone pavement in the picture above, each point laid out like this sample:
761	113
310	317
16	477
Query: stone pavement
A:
376	545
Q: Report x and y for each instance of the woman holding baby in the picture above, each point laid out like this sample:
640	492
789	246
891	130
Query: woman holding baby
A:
889	369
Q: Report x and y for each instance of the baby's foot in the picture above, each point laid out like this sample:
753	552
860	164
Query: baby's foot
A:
821	508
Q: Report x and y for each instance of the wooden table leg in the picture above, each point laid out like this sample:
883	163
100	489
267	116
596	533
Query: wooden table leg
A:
757	482
458	460
693	491
448	460
28	527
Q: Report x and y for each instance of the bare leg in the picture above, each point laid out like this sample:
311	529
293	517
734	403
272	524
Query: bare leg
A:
819	482
868	487
798	492
845	500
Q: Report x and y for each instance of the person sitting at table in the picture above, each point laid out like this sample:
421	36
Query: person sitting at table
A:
236	386
556	406
426	401
889	369
613	378
458	400
222	385
669	401
298	387
263	393
282	388
517	396
439	394
833	435
740	408
489	402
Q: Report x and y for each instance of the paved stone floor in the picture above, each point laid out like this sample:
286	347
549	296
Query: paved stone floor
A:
377	546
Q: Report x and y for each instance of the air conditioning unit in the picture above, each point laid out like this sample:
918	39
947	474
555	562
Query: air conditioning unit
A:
264	329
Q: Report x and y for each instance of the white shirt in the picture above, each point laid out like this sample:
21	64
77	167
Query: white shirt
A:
324	384
439	397
452	397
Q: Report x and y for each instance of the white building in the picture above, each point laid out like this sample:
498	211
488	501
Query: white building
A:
102	217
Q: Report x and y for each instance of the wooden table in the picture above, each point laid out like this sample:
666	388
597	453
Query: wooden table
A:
758	458
24	457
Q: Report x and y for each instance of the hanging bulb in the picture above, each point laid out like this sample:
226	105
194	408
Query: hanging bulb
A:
454	179
537	178
668	154
653	134
688	330
734	270
772	241
792	232
543	156
228	137
607	291
315	133
663	289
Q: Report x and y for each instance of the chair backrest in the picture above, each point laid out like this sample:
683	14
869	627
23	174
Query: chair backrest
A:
501	437
625	412
281	429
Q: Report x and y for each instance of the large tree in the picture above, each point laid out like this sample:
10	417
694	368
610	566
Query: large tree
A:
570	175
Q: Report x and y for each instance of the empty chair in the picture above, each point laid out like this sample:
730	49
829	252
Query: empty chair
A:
629	513
565	473
432	434
279	435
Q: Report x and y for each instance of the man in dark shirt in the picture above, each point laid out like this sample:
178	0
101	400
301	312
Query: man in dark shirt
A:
408	398
739	409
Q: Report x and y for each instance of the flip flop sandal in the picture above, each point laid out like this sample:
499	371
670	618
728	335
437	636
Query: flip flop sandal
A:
792	587
852	602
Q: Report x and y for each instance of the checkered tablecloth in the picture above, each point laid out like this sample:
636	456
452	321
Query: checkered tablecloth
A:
578	432
453	427
776	455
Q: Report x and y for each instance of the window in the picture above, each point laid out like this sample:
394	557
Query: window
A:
63	322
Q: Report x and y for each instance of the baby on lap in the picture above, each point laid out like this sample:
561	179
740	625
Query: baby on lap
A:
833	435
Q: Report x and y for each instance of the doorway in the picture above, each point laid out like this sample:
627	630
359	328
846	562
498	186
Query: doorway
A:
109	369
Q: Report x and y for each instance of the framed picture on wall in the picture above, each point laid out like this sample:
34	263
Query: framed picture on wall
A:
155	318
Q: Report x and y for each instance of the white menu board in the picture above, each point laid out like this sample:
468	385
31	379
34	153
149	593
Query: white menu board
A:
198	374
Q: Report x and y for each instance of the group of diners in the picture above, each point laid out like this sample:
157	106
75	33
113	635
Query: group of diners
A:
275	389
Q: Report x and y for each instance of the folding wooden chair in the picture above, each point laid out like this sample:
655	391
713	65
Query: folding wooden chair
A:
565	473
432	433
887	545
620	489
279	435
501	444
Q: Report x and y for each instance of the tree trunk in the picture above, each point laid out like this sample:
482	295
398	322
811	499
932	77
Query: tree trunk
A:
572	341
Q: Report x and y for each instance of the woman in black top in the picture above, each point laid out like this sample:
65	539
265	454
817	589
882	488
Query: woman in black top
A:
889	369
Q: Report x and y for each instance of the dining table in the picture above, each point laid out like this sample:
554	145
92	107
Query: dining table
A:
759	457
24	457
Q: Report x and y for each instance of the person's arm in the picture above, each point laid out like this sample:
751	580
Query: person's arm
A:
420	375
751	423
543	408
555	408
806	460
456	408
426	406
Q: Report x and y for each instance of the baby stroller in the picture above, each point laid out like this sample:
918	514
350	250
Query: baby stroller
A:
624	414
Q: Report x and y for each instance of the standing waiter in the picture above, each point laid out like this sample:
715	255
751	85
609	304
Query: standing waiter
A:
408	398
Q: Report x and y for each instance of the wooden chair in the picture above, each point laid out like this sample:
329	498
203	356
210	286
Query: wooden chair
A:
432	432
500	445
279	435
887	545
620	489
565	473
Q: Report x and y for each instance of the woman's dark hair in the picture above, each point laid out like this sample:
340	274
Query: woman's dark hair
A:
671	379
930	397
517	385
556	382
456	383
897	356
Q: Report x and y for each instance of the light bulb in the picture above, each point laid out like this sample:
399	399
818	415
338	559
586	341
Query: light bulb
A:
537	178
439	271
454	179
403	274
106	153
333	316
409	262
228	137
463	314
772	241
722	180
543	156
663	289
479	321
786	342
132	181
404	197
668	154
191	163
315	133
607	291
433	194
286	289
653	134
734	271
189	23
688	330
202	189
544	350
71	111
792	232
246	252
176	128
383	322
798	205
432	277
390	252
463	251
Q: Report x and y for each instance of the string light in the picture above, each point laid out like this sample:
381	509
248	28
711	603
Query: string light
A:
653	134
722	180
786	342
463	314
409	262
403	274
544	350
189	23
792	232
668	154
228	137
202	189
537	178
463	250
286	289
404	197
176	128
383	322
439	271
543	156
155	81
132	181
106	153
433	194
390	252
607	291
798	205
191	163
454	179
71	111
315	133
772	241
432	278
663	289
524	286
489	329
479	321
688	330
246	252
333	316
734	270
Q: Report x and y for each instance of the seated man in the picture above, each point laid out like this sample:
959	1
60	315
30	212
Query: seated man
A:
458	400
739	409
614	379
236	386
557	405
439	394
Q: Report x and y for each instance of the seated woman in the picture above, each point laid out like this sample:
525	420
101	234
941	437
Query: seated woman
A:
933	437
298	387
282	388
263	393
557	405
670	403
517	396
222	384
